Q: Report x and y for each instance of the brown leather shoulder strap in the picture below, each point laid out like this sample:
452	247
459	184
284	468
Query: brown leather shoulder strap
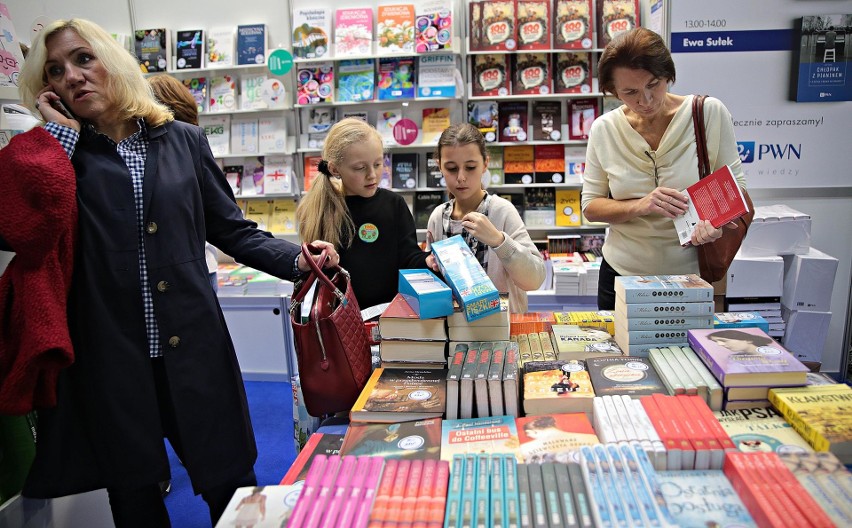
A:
700	136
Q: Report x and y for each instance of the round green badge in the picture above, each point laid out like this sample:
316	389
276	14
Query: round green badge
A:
280	62
369	233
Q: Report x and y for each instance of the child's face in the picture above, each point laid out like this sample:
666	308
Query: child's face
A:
361	168
462	166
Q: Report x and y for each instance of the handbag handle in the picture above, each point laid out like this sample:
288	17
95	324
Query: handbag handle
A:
700	135
316	274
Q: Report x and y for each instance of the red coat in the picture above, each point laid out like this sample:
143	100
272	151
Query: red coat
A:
36	177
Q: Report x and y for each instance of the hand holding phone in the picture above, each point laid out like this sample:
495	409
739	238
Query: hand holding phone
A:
53	109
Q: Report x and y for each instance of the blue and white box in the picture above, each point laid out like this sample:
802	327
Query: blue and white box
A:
425	293
471	285
740	320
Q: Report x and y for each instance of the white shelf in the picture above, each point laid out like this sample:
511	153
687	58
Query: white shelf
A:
515	51
267	196
563	229
565	185
380	102
248	111
524	97
536	142
455	49
291	148
9	93
212	69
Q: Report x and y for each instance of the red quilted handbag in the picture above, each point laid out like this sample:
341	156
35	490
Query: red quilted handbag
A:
332	347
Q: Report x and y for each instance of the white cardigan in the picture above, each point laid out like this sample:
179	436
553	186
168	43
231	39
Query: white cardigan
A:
515	266
617	163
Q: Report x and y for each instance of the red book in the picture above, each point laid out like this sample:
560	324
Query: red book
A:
490	75
424	494
669	415
531	74
412	490
777	497
673	448
439	494
717	198
384	491
687	420
572	24
742	475
534	24
397	492
692	405
796	492
401	321
716	428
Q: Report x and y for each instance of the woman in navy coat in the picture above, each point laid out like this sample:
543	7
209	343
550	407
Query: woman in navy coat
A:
153	357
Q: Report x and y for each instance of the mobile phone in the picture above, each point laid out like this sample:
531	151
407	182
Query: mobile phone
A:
60	106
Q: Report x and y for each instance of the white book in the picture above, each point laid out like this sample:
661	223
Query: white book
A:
714	389
660	454
623	418
218	132
385	121
272	135
252	181
602	425
690	386
220	47
244	136
223	94
618	428
277	174
667	374
693	375
436	76
311	32
251	92
641	435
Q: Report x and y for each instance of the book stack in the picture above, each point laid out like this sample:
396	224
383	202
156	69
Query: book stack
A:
820	413
826	479
703	498
483	491
623	419
760	429
554	437
740	320
747	363
318	444
491	327
690	433
569	277
552	387
683	373
598	319
408	339
771	493
394	395
338	488
623	485
670	305
409	490
482	380
535	346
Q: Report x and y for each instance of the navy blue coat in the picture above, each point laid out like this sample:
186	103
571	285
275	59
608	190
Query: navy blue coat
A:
105	430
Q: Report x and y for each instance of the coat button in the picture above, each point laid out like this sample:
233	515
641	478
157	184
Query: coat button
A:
174	341
163	286
151	228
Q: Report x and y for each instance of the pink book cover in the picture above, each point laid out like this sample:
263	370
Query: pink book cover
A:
353	31
309	491
746	357
371	483
324	492
339	489
356	488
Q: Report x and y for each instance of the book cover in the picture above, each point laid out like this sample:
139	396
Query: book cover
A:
717	198
252	181
404	170
403	395
435	121
418	440
582	113
436	76
572	72
251	44
396	78
582	342
518	164
395	28
197	86
261	506
189	49
218	132
434	177
826	479
513	121
547	122
549	165
739	320
223	94
539	206
311	171
356	80
311	32
484	116
820	413
474	31
821	60
602	319
495	164
152	49
557	387
761	429
616	17
277	174
233	174
663	288
424	203
433	27
282	217
251	92
315	83
634	376
385	178
386	119
272	135
572	24
746	357
244	135
315	123
490	75
499	25
400	321
497	434
531	74
425	293
258	212
554	437
703	498
464	274
534	24
318	444
353	31
568	207
220	47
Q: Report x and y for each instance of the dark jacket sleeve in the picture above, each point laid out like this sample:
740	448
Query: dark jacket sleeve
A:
229	231
4	246
409	253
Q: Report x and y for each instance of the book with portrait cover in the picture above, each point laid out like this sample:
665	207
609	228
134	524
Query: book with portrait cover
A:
417	440
554	437
821	63
634	376
496	434
557	387
189	49
761	429
401	395
717	198
572	24
747	357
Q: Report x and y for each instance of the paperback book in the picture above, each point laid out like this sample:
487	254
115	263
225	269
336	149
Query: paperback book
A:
244	136
318	444
435	121
396	78
557	387
716	198
821	61
189	49
582	342
554	437
663	288
424	203
356	80
315	83
197	86
277	174
531	74
386	119
282	217
220	47
418	440
218	132
490	75
233	174
401	395
572	72
547	122
434	177
153	49
353	32
261	506
272	135
582	113
223	94
404	170
484	115
820	413
433	27
549	165
251	92
395	28
518	167
401	321
703	498
573	24
499	25
513	121
634	376
761	429
534	24
311	32
497	434
616	17
436	76
251	44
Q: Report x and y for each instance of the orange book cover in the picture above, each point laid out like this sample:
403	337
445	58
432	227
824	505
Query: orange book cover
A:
311	171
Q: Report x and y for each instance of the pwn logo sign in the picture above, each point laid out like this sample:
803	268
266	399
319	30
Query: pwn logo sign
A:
746	151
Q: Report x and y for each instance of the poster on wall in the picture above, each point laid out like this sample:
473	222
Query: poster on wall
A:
821	62
743	54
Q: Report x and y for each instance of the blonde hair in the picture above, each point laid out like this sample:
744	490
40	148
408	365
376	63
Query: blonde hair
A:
322	214
126	87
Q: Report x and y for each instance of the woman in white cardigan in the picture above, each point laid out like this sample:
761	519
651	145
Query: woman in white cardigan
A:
490	225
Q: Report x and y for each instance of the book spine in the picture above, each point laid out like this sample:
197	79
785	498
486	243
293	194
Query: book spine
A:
803	501
696	384
581	495
525	511
603	426
318	508
667	374
693	407
715	397
668	322
686	381
341	485
779	501
498	492
452	516
751	491
425	492
601	510
638	485
408	502
468	496
685	309
673	416
309	491
565	494
660	456
638	427
673	455
537	498
547	346
706	358
701	452
551	495
620	513
624	418
482	509
612	414
356	488
384	492
625	492
302	459
371	483
512	514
